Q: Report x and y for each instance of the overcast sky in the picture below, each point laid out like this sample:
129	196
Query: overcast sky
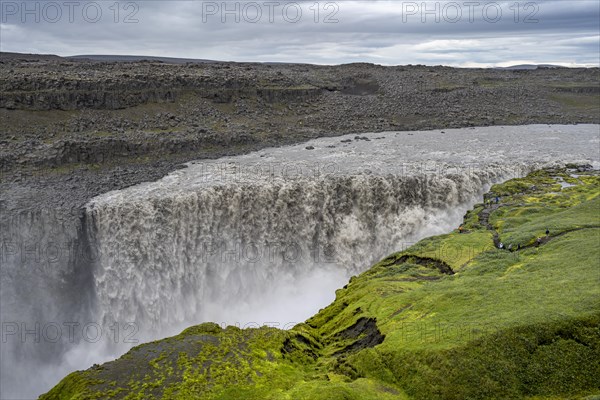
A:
456	33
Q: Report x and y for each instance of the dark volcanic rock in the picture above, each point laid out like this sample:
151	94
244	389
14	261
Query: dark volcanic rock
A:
365	331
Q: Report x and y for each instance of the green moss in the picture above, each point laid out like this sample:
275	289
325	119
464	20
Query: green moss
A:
539	359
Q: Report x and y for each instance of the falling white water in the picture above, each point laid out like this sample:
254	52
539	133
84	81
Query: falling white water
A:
264	238
171	254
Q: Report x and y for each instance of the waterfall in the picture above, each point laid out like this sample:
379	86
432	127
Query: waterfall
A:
166	255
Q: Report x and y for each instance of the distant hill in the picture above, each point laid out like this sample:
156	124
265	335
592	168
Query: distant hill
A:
119	58
530	66
26	56
176	60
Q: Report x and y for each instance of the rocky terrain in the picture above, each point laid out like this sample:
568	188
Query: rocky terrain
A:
74	128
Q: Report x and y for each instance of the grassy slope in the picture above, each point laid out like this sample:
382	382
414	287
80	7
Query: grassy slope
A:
506	324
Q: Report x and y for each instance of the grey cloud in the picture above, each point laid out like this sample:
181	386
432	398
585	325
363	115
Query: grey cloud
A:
372	31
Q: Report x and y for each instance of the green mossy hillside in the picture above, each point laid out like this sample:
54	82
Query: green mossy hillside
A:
452	317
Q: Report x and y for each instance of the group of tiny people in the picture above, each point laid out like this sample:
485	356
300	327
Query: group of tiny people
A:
501	246
538	242
489	203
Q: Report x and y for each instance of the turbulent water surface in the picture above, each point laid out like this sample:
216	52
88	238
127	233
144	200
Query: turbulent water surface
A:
259	239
